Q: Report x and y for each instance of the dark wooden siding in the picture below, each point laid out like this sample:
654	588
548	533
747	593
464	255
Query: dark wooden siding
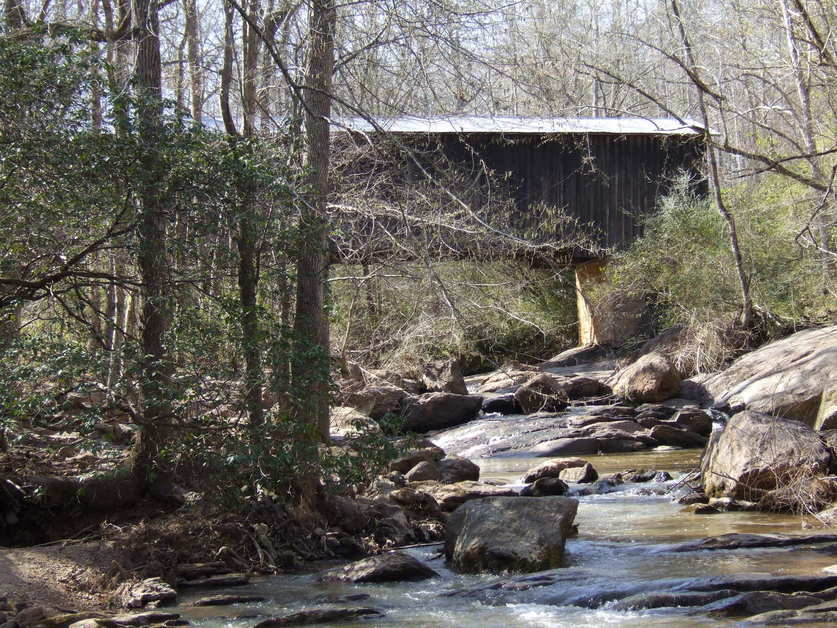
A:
607	181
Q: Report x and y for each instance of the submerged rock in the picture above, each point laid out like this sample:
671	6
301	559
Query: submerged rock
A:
225	600
391	567
319	616
737	540
665	599
755	602
504	534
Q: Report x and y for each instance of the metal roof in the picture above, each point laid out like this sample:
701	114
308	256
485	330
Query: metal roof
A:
521	125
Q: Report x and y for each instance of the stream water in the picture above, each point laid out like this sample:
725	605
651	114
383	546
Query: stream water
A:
622	543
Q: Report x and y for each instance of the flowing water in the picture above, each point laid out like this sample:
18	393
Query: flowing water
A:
623	544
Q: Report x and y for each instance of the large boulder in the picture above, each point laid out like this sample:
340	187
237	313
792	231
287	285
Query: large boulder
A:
444	376
423	451
422	472
456	469
787	378
756	453
502	534
668	435
378	400
651	378
435	411
349	423
693	420
543	393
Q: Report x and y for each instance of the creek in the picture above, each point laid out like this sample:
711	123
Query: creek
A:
623	543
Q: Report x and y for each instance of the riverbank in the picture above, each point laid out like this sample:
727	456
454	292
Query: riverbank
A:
625	546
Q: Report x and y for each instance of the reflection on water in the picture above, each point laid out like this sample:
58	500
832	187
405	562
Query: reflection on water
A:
622	543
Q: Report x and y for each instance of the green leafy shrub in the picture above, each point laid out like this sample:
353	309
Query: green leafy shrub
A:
683	265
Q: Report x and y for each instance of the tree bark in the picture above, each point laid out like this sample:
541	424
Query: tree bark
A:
152	254
193	56
311	357
245	217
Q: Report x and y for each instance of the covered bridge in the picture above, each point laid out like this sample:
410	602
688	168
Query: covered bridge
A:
607	173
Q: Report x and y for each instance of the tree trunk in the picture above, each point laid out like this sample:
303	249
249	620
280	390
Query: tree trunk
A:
193	55
152	255
311	357
244	213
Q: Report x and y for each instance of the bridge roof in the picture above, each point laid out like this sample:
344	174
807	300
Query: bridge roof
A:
520	125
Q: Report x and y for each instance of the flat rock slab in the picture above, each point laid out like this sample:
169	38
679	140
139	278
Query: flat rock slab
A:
190	571
755	602
785	378
392	567
319	616
667	599
226	580
138	594
144	619
226	600
451	496
746	541
68	619
518	434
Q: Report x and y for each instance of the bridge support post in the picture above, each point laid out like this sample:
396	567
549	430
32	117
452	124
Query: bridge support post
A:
605	317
